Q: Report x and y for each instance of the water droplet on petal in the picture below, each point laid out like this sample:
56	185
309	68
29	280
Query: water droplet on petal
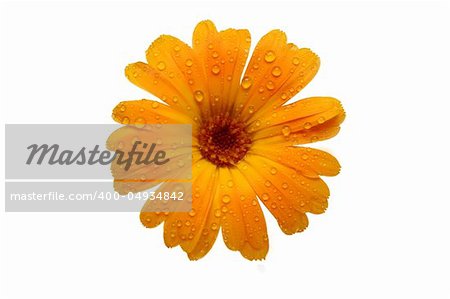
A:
246	82
125	120
139	123
198	95
305	157
265	196
189	62
295	61
226	199
215	69
161	66
286	131
321	120
276	71
273	170
215	54
155	105
270	85
307	126
269	57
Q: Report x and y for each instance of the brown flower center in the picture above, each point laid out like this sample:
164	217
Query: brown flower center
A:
223	141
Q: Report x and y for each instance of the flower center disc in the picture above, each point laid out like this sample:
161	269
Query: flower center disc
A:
223	141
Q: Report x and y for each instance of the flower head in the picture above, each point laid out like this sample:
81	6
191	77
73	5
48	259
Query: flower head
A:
244	149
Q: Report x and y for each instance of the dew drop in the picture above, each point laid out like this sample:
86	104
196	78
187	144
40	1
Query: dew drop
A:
226	199
215	54
305	157
265	196
286	131
269	57
273	170
215	69
155	105
161	66
198	95
270	85
307	126
321	120
295	61
125	120
139	123
276	71
189	62
246	82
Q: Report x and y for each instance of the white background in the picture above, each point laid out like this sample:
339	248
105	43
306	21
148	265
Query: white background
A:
386	232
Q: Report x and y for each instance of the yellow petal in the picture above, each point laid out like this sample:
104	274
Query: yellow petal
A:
309	161
191	229
147	112
174	74
305	121
285	192
243	224
223	55
277	71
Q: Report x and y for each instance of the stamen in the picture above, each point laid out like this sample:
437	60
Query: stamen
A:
223	140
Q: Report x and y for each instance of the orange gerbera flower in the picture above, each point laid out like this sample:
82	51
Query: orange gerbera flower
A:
244	136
